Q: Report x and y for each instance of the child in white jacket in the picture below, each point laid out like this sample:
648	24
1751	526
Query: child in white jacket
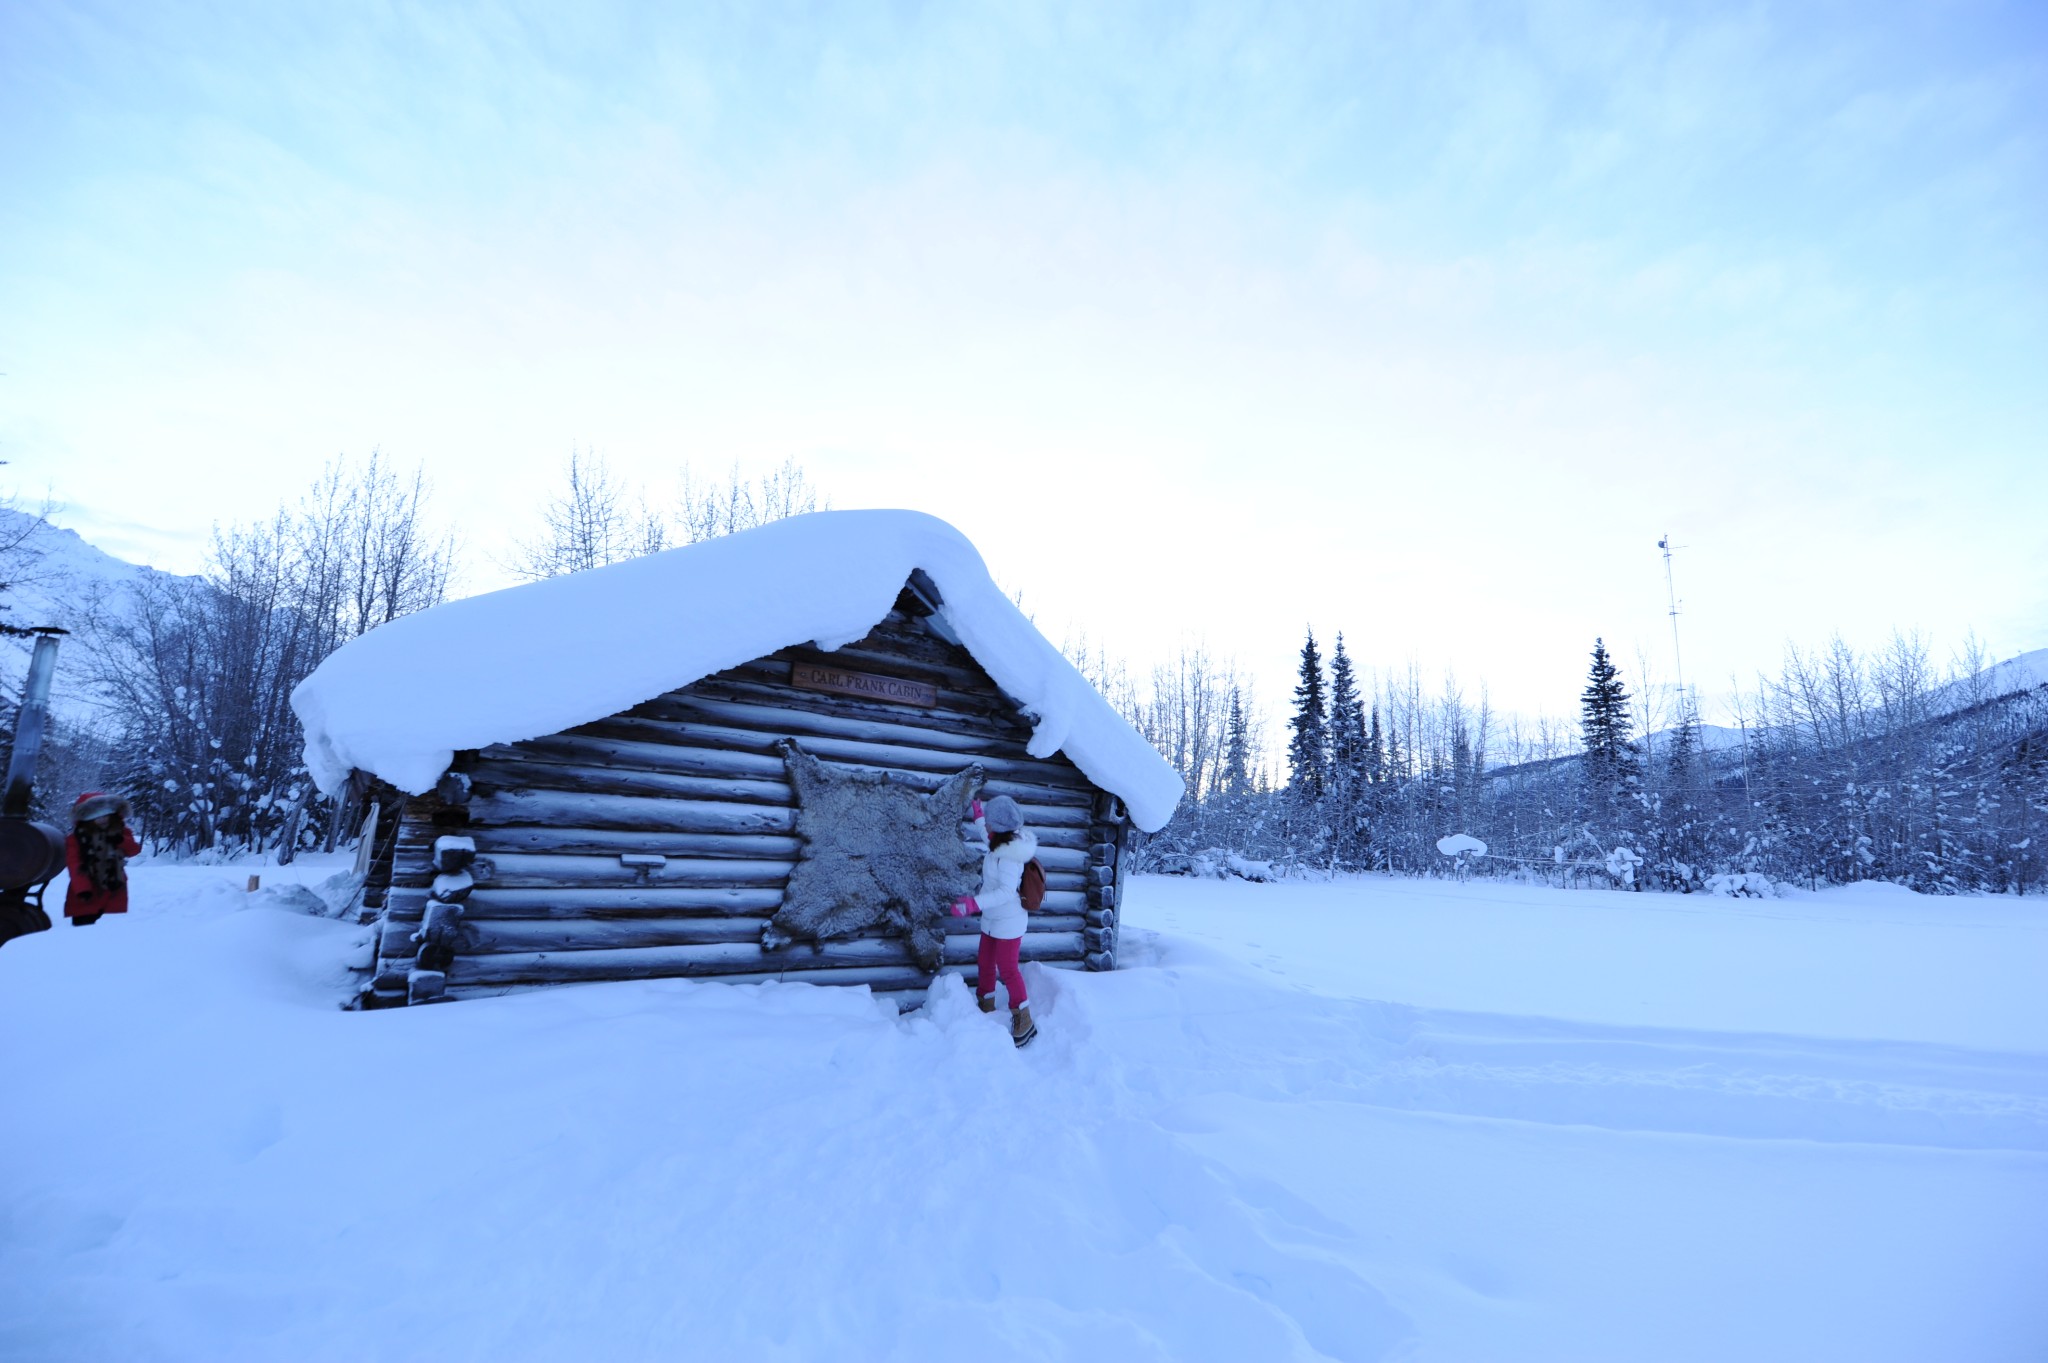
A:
1011	847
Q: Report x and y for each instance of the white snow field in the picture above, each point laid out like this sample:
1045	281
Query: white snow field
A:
1368	1119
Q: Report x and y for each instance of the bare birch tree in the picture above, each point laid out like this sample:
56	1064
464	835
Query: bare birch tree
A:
705	511
197	674
591	520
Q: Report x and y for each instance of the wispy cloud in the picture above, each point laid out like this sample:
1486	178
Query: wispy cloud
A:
1435	302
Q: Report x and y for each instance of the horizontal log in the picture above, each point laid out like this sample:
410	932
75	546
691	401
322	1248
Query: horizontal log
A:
1066	861
898	984
636	750
1059	848
646	813
891	756
538	870
414	866
484	937
727	958
985	706
491	937
504	869
610	902
613	842
896	980
633	901
738	777
517	768
649	813
1070	839
803	725
990	715
542	869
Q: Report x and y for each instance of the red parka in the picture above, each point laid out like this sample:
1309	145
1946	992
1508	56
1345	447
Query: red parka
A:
82	898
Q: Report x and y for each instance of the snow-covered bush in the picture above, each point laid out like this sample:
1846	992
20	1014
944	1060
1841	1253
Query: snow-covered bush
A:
1214	863
1621	864
1742	885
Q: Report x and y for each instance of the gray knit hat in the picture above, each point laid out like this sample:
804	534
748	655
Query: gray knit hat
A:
1003	815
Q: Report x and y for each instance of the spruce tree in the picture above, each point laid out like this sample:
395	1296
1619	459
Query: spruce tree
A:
1346	724
1605	724
1682	836
1375	752
1308	751
1374	798
1346	779
1236	780
1682	755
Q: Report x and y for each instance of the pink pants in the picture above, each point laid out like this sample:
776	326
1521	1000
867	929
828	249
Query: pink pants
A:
999	958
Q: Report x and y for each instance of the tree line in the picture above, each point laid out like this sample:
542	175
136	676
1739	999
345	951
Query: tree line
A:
190	678
1843	767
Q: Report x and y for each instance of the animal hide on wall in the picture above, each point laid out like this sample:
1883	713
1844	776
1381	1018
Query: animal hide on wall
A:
877	853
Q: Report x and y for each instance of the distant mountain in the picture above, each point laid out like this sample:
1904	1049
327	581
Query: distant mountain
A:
1713	738
57	578
2000	682
2019	673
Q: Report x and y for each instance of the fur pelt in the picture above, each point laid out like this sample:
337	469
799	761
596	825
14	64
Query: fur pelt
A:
876	853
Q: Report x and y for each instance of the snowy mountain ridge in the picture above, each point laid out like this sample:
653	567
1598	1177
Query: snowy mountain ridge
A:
57	577
2020	673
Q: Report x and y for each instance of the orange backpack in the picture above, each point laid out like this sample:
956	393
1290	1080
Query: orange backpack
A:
1032	888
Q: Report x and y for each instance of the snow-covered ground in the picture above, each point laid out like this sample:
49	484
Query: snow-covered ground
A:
1362	1120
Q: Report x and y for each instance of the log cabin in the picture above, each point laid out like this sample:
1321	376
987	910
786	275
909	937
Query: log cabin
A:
587	778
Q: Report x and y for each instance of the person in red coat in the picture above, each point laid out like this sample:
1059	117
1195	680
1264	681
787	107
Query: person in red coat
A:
97	853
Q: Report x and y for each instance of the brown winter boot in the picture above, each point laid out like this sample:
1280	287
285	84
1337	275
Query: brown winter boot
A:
1022	1029
987	1002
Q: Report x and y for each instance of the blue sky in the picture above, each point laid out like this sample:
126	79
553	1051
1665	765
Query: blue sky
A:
1420	322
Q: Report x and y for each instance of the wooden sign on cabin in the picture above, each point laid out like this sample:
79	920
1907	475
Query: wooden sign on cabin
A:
622	806
865	685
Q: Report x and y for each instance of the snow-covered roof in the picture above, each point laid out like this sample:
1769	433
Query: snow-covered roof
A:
546	656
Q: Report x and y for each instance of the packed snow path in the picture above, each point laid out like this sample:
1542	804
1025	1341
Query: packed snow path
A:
1365	1120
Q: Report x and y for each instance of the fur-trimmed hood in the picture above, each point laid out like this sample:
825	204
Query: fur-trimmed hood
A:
97	805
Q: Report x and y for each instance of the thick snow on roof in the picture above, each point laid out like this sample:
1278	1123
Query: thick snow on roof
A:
546	656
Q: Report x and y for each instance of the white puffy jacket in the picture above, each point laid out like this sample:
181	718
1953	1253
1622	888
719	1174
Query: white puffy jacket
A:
1002	871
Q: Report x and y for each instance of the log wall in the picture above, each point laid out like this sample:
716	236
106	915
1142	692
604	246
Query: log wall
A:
560	886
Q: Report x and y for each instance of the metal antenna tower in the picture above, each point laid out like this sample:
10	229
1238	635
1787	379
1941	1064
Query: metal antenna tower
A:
1671	594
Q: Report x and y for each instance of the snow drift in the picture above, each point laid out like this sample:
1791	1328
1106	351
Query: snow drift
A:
547	656
1363	1120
